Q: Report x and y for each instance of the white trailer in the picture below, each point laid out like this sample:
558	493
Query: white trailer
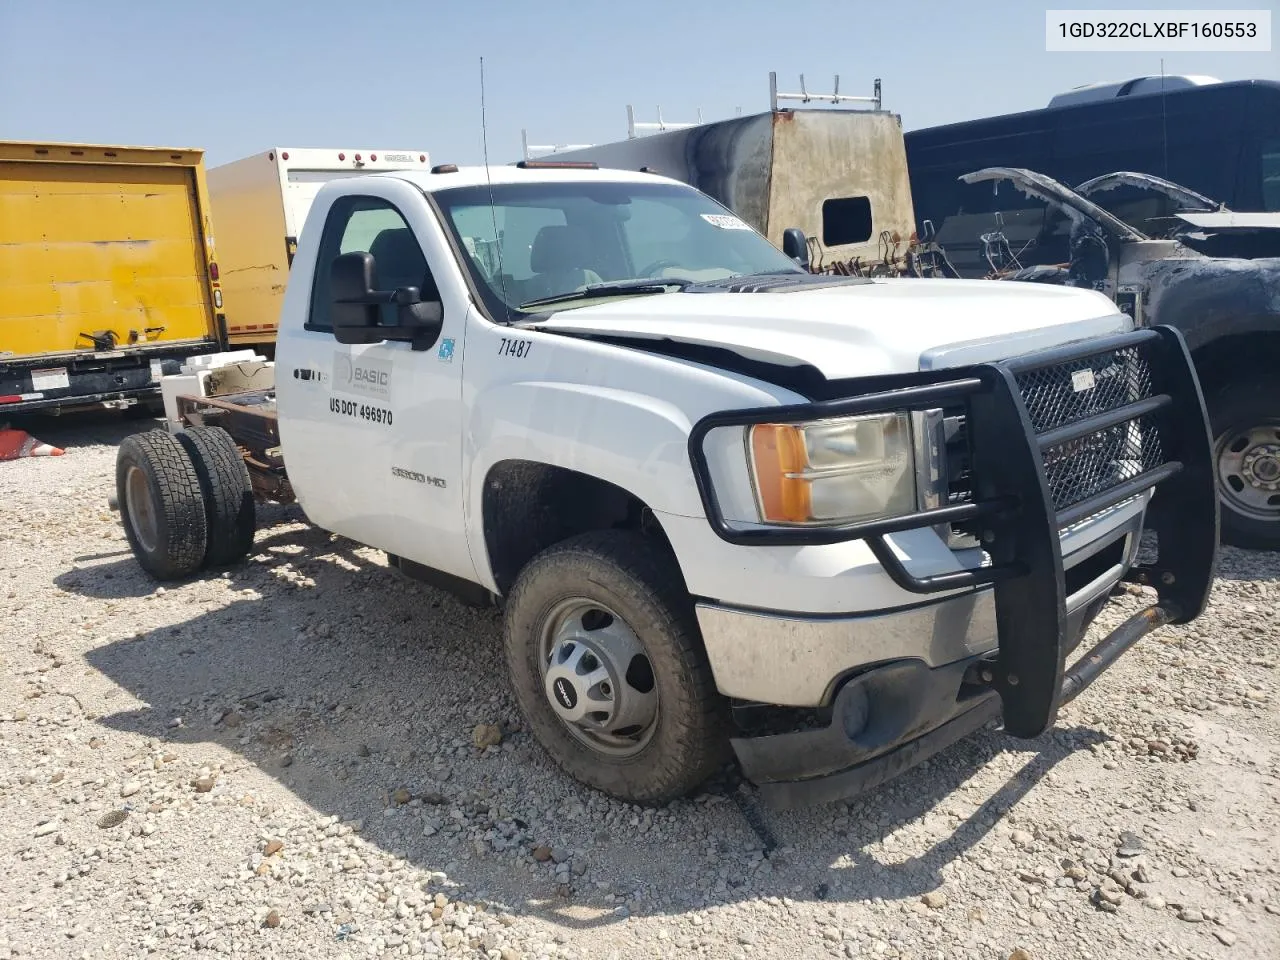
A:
259	204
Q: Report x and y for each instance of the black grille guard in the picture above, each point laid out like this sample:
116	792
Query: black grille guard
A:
1015	512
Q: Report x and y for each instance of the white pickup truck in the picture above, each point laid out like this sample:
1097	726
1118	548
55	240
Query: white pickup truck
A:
827	524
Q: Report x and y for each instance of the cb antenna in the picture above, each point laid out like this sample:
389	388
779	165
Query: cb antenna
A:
493	213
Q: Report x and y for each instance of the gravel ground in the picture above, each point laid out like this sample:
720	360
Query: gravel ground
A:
310	756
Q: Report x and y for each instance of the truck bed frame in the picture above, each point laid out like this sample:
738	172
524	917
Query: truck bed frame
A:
250	419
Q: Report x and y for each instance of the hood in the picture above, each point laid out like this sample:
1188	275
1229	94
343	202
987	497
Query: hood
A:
1232	221
857	330
1184	198
1049	190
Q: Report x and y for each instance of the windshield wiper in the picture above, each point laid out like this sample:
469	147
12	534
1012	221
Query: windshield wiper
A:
610	289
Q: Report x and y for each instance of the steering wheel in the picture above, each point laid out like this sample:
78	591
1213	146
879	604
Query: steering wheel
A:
657	265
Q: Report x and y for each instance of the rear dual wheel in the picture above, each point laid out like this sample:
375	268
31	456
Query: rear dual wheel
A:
185	500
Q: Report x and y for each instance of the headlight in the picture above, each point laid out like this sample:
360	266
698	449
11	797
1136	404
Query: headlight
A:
833	471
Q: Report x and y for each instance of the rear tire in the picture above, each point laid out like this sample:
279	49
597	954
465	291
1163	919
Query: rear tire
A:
161	505
227	493
1245	421
631	600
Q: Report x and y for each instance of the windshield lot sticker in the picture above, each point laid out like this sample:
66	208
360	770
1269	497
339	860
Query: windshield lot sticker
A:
446	350
362	375
724	221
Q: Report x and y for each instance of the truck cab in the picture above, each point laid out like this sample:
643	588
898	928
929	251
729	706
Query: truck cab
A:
825	524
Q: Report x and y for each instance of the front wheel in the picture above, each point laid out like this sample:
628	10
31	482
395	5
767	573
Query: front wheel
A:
1245	418
608	667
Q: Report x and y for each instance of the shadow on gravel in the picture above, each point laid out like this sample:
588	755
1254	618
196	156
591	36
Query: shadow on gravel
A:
349	683
121	578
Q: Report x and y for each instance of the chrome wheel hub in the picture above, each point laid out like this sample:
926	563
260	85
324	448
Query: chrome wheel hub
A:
597	677
1249	470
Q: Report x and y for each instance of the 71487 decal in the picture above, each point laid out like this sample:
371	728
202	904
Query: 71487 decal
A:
361	411
510	347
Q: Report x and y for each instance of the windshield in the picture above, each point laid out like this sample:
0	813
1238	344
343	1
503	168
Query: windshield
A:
540	242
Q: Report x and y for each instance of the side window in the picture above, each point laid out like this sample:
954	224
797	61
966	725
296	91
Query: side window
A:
374	226
846	220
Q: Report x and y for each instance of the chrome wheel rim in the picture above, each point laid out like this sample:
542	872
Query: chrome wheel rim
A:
1249	470
597	677
142	512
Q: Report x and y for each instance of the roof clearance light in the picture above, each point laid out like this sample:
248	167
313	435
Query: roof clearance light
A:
342	156
422	158
558	165
357	158
284	155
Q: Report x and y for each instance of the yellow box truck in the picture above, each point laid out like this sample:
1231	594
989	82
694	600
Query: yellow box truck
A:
108	278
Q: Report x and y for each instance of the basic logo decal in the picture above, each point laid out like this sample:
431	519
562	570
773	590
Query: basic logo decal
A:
362	375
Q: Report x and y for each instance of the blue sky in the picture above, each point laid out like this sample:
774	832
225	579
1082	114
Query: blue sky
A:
235	77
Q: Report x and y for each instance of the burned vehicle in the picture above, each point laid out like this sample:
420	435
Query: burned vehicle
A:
1169	211
1227	308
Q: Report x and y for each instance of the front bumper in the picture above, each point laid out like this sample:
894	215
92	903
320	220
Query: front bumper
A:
810	656
893	717
1024	506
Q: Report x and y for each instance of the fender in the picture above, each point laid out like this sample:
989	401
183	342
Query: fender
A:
1211	298
629	425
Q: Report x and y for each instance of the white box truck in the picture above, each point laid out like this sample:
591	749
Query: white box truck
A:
259	204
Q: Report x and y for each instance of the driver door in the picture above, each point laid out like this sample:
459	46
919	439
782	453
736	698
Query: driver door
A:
372	432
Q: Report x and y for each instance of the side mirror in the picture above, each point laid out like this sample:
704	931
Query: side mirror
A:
357	306
795	246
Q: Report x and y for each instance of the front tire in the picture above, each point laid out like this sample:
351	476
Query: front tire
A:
609	670
161	505
1245	421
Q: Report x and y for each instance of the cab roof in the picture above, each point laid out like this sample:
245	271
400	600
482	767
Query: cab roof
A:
475	176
